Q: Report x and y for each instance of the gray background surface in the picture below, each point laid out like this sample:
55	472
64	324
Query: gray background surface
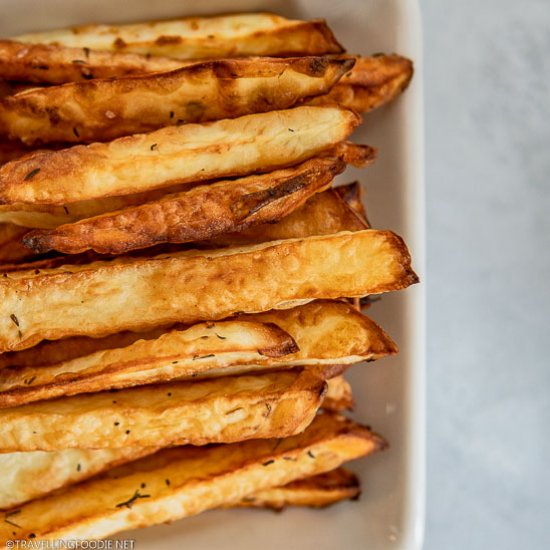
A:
487	81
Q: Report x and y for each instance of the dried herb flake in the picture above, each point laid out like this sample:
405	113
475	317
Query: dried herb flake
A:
8	515
31	174
128	503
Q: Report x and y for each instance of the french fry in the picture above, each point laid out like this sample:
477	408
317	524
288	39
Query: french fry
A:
220	410
200	37
42	63
378	70
203	212
135	294
373	82
339	396
182	482
177	154
56	351
106	109
59	469
315	492
48	216
319	333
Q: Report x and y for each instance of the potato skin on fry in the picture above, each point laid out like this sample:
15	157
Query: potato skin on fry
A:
201	213
322	214
315	492
186	481
105	109
135	294
220	410
44	63
175	155
201	37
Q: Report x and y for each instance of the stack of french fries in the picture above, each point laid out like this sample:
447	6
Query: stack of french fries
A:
179	280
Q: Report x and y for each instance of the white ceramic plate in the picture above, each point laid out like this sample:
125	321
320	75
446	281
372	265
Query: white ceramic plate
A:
390	392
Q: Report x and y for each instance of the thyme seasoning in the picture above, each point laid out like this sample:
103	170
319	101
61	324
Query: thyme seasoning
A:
75	131
154	146
267	462
171	114
169	394
128	503
167	481
291	458
8	515
29	381
14	319
127	432
78	61
143	485
86	52
195	357
31	174
233	411
268	411
220	337
310	454
291	130
66	209
78	467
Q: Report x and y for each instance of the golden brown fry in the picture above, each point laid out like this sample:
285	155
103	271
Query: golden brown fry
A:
34	474
220	410
201	37
177	154
57	351
185	481
379	70
201	350
48	216
319	333
42	63
102	110
338	397
315	492
136	294
373	82
201	213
